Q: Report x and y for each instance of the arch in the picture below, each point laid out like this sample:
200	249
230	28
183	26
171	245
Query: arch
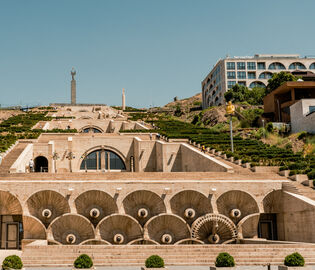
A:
189	241
93	160
9	204
248	226
297	65
91	128
142	241
272	202
167	224
33	228
214	229
312	66
41	164
116	224
95	199
237	200
257	84
71	224
265	75
94	242
190	199
47	199
143	199
276	65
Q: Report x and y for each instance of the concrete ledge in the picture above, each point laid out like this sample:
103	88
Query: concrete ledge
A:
264	169
299	178
284	173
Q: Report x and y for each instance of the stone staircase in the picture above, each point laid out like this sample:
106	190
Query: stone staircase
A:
300	189
133	255
11	157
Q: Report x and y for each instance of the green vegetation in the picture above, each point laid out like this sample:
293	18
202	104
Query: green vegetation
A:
129	109
278	79
154	261
240	93
83	262
294	259
224	259
12	262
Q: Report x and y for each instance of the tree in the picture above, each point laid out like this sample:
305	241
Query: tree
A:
256	95
278	79
240	93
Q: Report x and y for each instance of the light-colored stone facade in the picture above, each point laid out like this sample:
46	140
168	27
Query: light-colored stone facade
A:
303	116
250	71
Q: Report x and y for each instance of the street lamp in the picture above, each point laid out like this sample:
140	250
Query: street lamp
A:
230	108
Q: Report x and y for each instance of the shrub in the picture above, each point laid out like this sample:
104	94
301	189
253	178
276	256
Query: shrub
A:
269	127
311	175
13	262
302	135
154	261
224	259
294	259
83	261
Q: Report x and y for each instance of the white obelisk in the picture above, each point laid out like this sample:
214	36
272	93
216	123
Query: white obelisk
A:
123	100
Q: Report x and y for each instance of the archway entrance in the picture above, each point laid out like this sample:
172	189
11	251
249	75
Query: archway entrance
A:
41	164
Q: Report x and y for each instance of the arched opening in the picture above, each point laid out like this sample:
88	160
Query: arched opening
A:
312	66
297	65
276	65
265	75
91	130
103	160
41	164
257	84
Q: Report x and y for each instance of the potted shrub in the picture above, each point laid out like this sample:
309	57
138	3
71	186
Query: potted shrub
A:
292	261
154	261
12	262
223	261
83	262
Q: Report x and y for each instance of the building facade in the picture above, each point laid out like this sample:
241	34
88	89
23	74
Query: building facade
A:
250	71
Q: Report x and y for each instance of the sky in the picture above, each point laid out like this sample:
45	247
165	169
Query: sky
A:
155	49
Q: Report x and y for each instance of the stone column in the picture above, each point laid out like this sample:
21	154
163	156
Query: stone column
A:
123	107
73	88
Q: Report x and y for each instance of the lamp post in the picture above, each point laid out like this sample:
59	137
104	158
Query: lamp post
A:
230	108
55	157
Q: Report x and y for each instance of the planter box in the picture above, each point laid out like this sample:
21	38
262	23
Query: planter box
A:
212	151
221	268
284	173
299	177
92	268
218	153
284	267
145	268
246	165
238	162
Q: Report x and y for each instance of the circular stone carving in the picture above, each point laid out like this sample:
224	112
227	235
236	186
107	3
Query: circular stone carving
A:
118	238
166	238
235	213
46	213
94	213
143	213
71	238
211	225
190	213
214	238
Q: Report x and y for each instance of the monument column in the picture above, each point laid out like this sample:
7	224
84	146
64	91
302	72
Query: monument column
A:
123	107
73	87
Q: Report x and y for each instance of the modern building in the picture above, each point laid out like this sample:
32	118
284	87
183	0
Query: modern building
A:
250	71
303	116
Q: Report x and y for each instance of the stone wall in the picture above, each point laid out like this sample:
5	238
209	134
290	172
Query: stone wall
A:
300	119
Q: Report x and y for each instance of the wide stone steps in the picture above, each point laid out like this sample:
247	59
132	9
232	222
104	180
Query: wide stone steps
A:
11	157
173	255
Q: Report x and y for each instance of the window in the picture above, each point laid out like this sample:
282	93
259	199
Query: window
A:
251	65
312	109
265	75
94	159
312	66
241	75
240	65
276	65
251	75
231	75
230	65
257	84
242	83
261	65
231	84
297	65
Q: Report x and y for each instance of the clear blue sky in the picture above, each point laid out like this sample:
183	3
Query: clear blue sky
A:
154	49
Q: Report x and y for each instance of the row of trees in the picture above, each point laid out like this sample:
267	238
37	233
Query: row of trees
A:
240	93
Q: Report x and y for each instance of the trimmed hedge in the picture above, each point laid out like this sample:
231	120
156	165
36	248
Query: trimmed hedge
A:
83	262
224	259
13	262
294	259
154	261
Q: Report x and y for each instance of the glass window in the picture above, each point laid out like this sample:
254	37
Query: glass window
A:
297	65
231	84
276	65
242	83
261	65
251	75
230	65
257	84
312	109
251	65
241	65
312	66
265	75
241	75
231	75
